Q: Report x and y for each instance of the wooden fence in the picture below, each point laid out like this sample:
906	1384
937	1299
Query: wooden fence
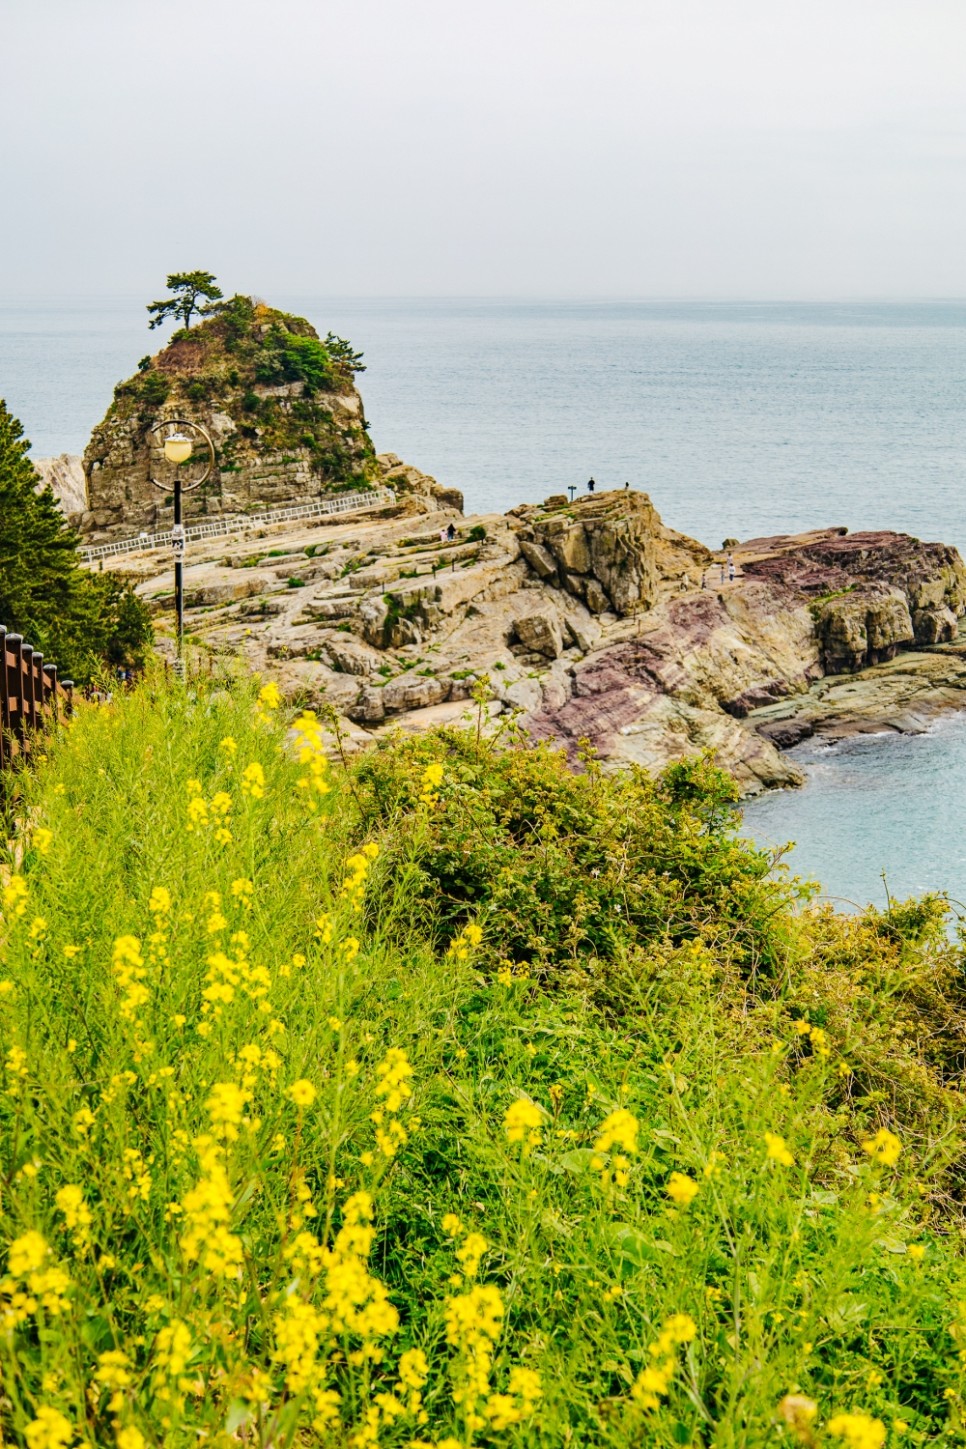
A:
31	695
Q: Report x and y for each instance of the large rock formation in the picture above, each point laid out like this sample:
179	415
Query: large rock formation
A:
280	405
591	620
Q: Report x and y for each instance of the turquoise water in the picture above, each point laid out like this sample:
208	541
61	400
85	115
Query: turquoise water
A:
738	418
874	805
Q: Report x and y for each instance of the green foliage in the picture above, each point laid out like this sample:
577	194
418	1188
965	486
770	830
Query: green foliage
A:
78	620
477	533
187	287
578	866
288	357
344	352
810	1254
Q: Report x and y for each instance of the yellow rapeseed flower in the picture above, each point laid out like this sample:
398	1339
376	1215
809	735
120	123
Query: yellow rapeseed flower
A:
618	1130
413	1368
682	1189
858	1430
14	897
302	1093
883	1148
27	1254
523	1121
226	1106
778	1149
159	903
430	783
129	1438
253	780
49	1430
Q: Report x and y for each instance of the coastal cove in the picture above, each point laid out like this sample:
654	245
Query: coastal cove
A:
737	419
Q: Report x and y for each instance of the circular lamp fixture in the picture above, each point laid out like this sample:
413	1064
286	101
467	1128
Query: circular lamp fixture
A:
178	448
178	440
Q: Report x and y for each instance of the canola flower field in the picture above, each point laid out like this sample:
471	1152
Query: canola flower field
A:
449	1097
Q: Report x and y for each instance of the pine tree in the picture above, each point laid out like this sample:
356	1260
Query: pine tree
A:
79	621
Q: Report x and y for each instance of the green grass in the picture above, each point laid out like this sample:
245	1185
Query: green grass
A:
636	957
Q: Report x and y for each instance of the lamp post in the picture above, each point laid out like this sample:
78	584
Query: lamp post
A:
177	438
571	489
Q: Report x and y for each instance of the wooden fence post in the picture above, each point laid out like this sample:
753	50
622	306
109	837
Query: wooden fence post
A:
4	701
50	689
37	670
27	690
30	693
14	684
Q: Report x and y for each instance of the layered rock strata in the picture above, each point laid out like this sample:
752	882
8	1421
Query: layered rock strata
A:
590	620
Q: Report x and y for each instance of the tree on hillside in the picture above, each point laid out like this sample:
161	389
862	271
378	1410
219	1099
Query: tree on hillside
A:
187	288
78	620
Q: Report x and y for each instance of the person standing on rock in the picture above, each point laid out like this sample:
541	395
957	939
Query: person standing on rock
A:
591	485
451	532
731	569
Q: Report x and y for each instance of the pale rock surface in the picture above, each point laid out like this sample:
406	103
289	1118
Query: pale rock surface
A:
591	620
540	633
65	475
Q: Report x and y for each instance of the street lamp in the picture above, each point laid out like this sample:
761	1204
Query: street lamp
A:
177	444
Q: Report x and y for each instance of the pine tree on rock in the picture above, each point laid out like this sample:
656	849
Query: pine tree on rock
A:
187	288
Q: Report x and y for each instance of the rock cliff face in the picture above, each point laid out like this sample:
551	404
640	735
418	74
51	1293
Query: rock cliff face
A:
65	474
280	405
591	620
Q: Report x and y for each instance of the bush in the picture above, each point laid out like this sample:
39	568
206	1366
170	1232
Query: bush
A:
294	1151
154	388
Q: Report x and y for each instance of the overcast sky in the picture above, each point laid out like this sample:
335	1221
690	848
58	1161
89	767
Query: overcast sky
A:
646	148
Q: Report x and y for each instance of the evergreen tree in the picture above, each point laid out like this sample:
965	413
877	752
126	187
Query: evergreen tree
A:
187	288
79	620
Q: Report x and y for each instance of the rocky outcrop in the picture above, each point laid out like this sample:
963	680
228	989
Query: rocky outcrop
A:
872	593
422	491
590	621
604	553
540	633
280	405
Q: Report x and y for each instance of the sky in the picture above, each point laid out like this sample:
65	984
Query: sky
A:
564	148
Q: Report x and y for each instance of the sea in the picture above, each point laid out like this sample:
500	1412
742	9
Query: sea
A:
738	418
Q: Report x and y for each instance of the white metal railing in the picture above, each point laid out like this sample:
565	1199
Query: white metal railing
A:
242	522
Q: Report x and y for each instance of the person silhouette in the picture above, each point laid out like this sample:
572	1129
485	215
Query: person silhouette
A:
591	485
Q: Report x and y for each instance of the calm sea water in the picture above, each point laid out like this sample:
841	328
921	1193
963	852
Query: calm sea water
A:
737	418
